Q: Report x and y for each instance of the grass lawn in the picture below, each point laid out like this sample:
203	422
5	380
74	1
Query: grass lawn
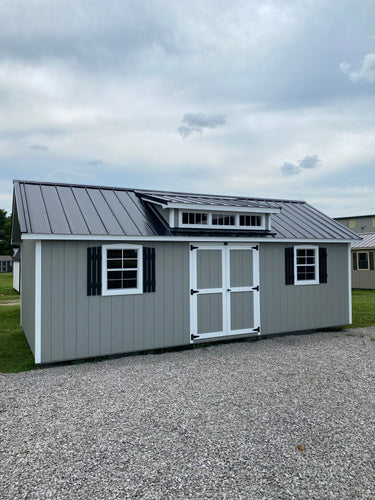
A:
7	292
15	354
363	308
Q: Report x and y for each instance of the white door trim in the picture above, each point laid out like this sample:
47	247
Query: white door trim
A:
225	290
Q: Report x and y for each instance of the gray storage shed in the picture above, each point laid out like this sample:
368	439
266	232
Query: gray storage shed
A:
363	253
109	270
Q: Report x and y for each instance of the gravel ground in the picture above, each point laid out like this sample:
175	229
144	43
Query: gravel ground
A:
289	417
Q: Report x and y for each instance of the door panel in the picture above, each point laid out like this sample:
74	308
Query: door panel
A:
209	269
241	268
241	311
210	313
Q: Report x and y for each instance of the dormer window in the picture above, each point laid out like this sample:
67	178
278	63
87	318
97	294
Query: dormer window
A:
191	218
221	220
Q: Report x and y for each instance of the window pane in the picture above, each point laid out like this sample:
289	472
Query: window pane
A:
310	252
363	260
130	254
114	264
204	218
130	264
114	254
114	275
185	218
111	284
130	283
130	274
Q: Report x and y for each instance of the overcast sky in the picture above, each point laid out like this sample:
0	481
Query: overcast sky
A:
256	98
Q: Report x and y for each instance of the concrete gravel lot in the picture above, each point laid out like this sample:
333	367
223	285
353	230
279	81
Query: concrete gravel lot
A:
223	421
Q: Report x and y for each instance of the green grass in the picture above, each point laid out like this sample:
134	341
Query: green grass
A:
15	353
363	308
7	292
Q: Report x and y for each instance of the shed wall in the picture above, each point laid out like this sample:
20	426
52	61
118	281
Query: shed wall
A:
28	291
77	326
288	308
359	224
363	279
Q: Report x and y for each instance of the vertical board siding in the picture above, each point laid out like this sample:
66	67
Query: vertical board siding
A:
363	279
291	308
28	291
76	326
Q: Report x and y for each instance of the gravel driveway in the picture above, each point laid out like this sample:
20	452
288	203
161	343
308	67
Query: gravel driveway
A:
223	421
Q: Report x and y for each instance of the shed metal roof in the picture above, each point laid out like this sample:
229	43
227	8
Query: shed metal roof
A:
71	209
367	241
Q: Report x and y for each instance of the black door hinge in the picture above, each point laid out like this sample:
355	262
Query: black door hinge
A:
255	248
256	288
192	247
193	337
257	329
192	292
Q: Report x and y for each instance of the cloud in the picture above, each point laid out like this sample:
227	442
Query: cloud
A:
95	161
306	162
309	161
38	147
363	71
196	122
289	169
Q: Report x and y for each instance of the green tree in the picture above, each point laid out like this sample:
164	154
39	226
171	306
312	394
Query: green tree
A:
5	227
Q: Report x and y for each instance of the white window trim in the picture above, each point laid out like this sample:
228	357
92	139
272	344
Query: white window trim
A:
307	282
209	224
122	291
368	260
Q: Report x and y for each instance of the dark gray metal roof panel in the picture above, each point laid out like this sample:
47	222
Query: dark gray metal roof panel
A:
48	208
72	211
38	217
122	215
56	215
107	217
200	199
89	211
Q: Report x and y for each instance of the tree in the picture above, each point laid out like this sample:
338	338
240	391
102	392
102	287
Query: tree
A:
5	227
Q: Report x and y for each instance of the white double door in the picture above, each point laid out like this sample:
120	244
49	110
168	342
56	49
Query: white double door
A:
224	290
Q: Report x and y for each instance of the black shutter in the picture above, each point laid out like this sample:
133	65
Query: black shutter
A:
322	265
289	266
94	271
355	267
371	255
148	269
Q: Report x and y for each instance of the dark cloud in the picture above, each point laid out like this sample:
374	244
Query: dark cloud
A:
39	147
295	169
196	122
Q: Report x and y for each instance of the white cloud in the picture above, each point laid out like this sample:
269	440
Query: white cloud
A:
363	71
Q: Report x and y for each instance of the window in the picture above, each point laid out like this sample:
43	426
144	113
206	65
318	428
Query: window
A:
122	269
223	220
306	265
194	218
250	220
363	261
